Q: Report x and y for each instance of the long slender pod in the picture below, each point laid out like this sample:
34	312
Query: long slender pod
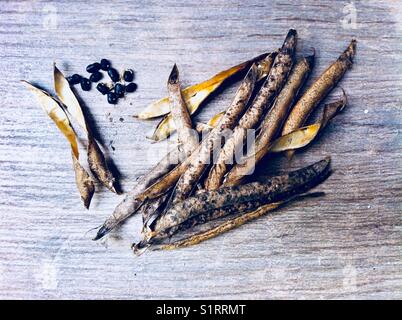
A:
274	119
187	136
274	82
273	190
319	90
227	122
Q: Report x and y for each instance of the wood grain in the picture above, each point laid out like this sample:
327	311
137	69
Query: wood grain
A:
347	244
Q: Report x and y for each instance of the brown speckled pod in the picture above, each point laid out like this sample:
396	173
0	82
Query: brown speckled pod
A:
275	80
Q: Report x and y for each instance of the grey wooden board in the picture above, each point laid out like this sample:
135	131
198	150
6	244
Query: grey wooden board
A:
347	244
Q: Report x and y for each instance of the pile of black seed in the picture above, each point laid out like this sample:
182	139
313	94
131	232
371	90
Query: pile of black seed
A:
114	90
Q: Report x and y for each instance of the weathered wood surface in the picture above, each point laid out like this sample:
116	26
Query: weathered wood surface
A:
347	244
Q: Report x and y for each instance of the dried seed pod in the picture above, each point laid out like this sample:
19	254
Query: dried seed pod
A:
197	167
275	80
319	89
97	164
294	140
130	203
167	181
202	219
96	159
196	94
84	182
187	136
213	122
275	116
275	189
224	227
167	127
68	98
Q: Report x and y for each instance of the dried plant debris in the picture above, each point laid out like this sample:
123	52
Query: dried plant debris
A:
96	159
201	91
52	107
276	78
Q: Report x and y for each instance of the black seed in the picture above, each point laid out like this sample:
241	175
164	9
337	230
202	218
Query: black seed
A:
105	64
131	87
113	74
74	79
93	67
96	76
102	88
119	90
128	75
85	84
112	98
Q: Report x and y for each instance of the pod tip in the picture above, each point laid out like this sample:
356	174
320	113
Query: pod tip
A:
174	75
101	233
292	33
140	247
311	58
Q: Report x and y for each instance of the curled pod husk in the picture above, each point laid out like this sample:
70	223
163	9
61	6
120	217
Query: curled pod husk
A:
276	78
97	164
196	94
96	159
68	98
167	126
84	182
197	167
187	136
319	89
275	189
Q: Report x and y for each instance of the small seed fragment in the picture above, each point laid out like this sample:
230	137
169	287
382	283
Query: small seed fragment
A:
74	79
102	88
105	64
94	67
131	87
85	84
113	74
128	75
96	76
112	98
